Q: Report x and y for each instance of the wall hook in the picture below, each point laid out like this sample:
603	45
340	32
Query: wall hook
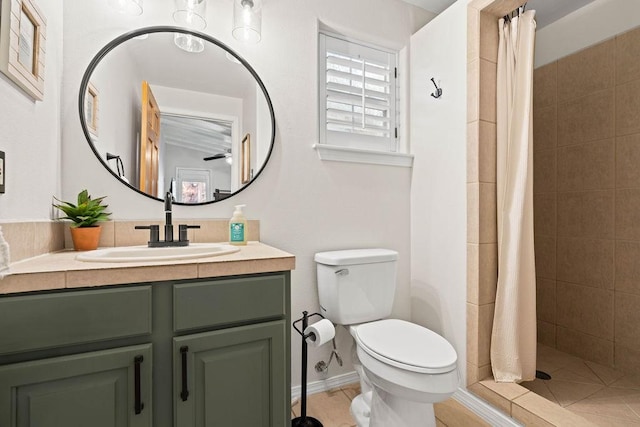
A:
438	93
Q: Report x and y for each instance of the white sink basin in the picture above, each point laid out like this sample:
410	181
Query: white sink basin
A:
144	253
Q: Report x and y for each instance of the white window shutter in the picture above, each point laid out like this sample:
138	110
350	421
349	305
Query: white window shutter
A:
357	95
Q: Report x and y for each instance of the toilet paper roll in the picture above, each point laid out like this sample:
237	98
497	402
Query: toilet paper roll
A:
322	332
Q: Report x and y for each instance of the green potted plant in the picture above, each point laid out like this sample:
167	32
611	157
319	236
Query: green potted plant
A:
85	216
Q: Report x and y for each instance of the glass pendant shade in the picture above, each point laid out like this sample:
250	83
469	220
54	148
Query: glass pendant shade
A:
128	7
247	20
190	14
188	42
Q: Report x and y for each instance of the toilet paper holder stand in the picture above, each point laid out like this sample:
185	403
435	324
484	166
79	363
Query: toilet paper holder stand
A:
303	420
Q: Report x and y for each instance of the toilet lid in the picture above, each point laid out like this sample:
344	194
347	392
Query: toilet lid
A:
406	346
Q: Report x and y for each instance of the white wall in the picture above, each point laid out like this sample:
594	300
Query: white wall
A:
118	83
585	27
30	133
438	184
263	131
305	205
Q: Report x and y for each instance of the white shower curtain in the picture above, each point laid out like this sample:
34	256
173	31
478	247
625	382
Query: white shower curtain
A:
513	341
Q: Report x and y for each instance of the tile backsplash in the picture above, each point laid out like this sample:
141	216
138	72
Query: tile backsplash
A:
29	239
33	238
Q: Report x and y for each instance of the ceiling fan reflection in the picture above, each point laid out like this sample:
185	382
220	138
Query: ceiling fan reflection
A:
226	155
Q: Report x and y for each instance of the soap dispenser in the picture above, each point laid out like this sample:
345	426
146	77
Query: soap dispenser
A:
238	227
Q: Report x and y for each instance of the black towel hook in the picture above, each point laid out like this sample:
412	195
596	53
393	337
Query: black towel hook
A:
438	93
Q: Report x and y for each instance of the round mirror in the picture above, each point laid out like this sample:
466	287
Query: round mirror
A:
171	110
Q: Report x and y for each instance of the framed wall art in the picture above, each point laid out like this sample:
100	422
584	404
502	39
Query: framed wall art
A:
245	161
2	172
22	45
91	109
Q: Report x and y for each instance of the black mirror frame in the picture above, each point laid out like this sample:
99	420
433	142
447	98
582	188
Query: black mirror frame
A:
163	29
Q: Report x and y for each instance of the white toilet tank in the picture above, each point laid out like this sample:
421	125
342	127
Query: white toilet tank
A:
356	285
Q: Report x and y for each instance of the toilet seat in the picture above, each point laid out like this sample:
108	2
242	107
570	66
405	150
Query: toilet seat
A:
406	346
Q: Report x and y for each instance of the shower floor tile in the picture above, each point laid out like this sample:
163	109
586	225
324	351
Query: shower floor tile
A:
598	393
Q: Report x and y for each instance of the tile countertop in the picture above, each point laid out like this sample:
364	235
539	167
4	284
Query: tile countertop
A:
59	270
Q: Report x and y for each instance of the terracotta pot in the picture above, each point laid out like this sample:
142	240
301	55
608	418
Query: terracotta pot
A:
85	238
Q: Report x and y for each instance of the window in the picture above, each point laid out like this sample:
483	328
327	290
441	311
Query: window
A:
357	95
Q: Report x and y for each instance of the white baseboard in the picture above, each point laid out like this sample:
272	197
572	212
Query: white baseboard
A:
324	385
476	405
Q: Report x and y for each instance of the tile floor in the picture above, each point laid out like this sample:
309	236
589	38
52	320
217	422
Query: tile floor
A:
331	408
598	393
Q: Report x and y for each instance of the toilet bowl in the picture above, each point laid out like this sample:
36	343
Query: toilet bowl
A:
404	368
409	368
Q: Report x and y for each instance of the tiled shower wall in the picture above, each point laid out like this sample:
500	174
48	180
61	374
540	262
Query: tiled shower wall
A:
587	202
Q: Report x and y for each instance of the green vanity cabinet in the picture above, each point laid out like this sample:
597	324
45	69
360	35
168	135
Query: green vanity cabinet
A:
232	377
77	358
99	389
199	352
38	321
236	375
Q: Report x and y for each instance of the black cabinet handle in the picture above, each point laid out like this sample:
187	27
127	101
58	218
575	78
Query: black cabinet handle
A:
139	406
184	394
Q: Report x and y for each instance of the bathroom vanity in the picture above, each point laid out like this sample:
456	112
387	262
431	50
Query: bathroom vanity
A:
200	342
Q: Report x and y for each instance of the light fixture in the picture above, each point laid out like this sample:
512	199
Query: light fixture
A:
191	15
247	20
188	43
128	7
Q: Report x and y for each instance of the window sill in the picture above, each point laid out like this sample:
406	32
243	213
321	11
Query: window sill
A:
354	155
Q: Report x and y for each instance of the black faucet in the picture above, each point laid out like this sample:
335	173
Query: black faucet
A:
154	236
168	226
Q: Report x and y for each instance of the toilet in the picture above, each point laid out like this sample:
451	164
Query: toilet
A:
404	368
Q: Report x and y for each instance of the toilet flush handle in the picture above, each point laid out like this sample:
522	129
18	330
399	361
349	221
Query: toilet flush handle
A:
342	272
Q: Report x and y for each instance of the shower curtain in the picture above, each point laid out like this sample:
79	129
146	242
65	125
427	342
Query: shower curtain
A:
513	340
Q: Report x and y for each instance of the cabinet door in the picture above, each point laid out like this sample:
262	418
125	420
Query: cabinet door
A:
232	377
110	388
